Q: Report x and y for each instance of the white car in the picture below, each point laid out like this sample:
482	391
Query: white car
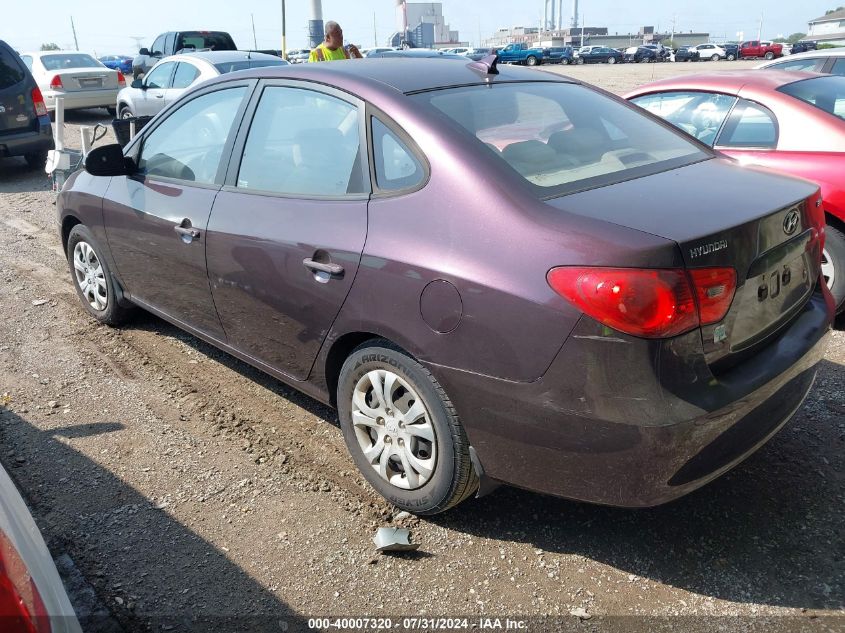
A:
830	61
709	51
79	78
173	75
299	55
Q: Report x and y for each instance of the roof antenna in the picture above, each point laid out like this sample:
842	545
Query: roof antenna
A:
488	65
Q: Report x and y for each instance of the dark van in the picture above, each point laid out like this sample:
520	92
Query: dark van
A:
25	128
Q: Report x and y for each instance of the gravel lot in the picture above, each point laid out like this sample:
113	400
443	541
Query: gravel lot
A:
186	487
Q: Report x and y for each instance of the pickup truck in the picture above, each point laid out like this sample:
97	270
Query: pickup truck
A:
756	48
174	42
521	54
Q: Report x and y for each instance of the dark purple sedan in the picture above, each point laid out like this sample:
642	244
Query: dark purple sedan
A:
494	276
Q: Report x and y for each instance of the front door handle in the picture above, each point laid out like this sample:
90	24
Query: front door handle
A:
331	269
186	231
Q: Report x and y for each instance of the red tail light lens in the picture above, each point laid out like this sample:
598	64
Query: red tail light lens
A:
56	83
714	291
38	102
647	303
21	607
121	80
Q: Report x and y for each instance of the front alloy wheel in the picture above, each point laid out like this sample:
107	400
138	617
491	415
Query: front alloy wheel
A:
90	277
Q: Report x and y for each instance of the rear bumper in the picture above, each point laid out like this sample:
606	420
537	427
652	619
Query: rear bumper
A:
628	422
28	142
106	98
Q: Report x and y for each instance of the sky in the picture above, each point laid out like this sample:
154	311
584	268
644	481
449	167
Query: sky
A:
107	28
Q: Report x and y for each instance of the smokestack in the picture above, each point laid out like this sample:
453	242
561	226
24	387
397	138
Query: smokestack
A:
560	14
574	14
553	21
545	14
315	24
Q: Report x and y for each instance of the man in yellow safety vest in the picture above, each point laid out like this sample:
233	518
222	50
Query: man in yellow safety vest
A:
332	49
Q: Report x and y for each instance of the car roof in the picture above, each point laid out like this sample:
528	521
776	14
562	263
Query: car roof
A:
825	52
222	57
402	75
728	81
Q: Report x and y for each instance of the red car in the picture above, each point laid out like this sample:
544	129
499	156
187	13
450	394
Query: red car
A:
790	121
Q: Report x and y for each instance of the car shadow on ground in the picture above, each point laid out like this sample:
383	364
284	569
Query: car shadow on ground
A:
768	532
165	575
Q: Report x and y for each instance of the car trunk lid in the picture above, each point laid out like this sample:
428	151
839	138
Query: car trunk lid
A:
82	79
722	215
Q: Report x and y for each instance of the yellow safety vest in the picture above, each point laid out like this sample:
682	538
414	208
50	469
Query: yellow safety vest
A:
324	54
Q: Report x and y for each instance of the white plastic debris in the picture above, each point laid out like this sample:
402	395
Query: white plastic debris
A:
394	540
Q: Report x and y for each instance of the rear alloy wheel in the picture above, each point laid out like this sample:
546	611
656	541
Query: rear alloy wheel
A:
769	55
731	57
565	62
580	60
611	60
402	431
92	280
531	60
833	265
714	57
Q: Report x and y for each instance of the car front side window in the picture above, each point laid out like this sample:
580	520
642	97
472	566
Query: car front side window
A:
188	144
302	143
160	76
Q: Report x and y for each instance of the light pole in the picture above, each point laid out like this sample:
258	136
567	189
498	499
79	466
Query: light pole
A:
284	34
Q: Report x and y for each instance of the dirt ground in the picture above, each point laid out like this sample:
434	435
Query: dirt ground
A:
185	490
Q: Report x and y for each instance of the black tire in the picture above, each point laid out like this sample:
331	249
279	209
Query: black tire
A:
731	57
454	478
36	159
531	61
565	62
125	112
769	55
714	57
112	314
611	60
112	111
580	60
835	251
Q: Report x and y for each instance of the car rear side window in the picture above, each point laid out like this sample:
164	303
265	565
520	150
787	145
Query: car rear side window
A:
806	64
825	93
395	165
750	125
302	143
185	75
188	145
699	114
838	67
11	71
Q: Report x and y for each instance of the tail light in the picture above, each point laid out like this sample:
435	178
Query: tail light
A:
21	607
658	303
38	102
56	83
121	80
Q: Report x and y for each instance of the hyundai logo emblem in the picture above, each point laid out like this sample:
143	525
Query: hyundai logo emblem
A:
790	222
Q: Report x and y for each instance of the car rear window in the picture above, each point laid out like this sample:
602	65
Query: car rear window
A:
11	70
825	93
564	137
69	60
212	41
230	67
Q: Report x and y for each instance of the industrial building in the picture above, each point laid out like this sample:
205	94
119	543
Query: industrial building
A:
422	25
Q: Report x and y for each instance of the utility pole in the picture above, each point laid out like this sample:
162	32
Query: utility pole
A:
284	34
73	28
760	30
375	32
254	39
674	18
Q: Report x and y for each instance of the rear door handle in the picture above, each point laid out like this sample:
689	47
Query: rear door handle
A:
331	269
186	231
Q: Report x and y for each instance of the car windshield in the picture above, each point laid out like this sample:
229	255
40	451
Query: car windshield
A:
230	67
825	93
69	60
563	137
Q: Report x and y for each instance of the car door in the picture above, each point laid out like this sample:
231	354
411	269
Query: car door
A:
287	231
150	101
155	218
185	75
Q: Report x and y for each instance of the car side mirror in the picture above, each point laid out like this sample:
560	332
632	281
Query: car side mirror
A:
144	51
138	83
107	160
